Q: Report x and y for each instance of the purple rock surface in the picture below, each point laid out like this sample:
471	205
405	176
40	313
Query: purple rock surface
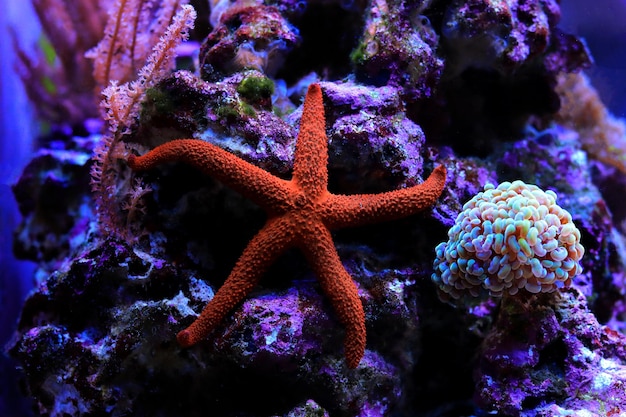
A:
544	359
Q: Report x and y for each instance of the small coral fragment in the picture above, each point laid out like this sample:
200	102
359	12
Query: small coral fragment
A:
507	238
602	134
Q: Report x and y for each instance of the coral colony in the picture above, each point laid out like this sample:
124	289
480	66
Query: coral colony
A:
297	208
510	238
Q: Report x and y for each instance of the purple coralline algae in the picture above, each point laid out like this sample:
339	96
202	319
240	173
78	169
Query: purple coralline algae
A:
373	144
247	37
398	47
407	86
551	358
498	34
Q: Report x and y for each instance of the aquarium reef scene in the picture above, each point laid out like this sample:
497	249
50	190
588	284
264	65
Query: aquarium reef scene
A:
302	208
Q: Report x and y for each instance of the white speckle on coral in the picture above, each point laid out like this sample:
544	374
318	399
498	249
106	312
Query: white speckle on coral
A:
554	410
377	409
201	290
585	355
67	399
613	373
608	365
102	349
580	158
397	286
271	338
148	259
602	381
181	303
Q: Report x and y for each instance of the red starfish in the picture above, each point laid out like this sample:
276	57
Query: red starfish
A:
301	212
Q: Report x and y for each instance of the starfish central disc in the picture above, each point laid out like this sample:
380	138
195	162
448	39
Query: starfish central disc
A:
301	213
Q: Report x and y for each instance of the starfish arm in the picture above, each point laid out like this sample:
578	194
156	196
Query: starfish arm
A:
260	253
353	210
310	170
339	288
260	186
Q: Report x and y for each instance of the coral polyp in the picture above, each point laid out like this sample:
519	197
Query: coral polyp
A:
507	238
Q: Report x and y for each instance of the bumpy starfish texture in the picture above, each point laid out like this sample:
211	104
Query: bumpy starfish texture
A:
301	213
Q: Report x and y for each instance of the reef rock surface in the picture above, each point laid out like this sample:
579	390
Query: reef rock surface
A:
407	85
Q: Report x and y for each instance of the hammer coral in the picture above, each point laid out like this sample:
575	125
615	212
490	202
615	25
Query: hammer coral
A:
509	238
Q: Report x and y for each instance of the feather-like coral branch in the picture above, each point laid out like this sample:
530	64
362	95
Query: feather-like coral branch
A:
57	77
121	106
